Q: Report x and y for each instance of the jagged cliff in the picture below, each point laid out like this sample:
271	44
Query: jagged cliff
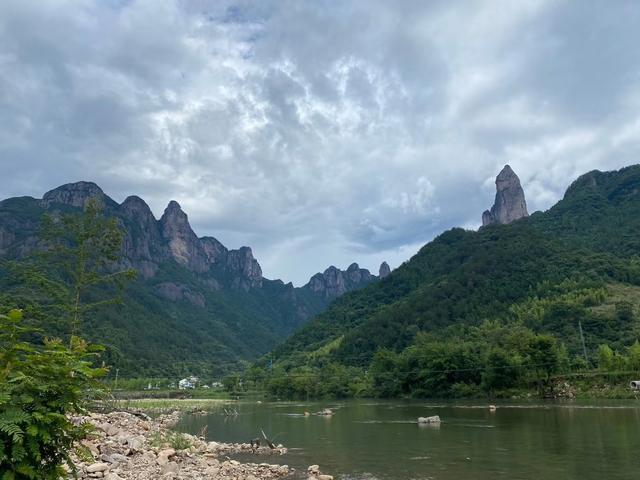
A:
334	282
193	288
509	203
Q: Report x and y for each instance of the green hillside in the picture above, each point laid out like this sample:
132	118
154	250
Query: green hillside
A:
540	275
173	319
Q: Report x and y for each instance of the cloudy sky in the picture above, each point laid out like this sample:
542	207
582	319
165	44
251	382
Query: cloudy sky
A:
317	132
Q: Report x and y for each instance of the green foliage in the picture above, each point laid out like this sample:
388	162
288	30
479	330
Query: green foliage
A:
529	287
41	384
75	273
43	381
175	440
624	311
144	333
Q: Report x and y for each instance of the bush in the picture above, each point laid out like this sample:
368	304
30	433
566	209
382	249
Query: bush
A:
175	440
41	385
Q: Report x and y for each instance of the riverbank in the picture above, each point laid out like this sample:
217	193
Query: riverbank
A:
128	446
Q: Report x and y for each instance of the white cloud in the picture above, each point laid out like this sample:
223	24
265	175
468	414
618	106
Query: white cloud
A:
316	132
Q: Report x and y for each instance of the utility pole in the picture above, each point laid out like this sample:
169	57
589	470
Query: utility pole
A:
584	347
116	385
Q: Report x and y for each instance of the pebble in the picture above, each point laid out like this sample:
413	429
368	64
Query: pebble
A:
122	449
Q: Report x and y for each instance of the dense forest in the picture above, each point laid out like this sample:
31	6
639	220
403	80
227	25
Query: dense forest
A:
483	312
203	313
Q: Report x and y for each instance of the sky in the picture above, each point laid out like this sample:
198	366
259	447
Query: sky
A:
318	132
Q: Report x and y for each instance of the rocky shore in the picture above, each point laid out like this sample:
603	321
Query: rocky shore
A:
126	446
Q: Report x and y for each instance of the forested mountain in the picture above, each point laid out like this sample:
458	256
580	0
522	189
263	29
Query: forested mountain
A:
578	262
195	306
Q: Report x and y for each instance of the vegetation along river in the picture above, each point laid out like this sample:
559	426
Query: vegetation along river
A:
381	439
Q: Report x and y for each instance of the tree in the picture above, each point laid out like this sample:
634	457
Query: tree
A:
544	355
624	311
634	356
42	380
75	271
501	371
605	358
384	374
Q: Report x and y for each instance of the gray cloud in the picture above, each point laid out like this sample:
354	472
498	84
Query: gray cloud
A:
317	132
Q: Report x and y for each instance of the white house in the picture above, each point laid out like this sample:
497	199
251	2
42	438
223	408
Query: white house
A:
187	383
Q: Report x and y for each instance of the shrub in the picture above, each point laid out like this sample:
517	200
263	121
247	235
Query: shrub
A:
41	385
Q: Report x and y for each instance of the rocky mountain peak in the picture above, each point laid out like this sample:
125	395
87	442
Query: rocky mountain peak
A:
384	270
215	251
135	207
247	269
509	202
334	282
73	194
184	245
143	245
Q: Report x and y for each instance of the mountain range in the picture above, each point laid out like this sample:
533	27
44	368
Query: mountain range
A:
196	306
574	266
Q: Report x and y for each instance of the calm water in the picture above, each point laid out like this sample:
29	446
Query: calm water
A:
380	440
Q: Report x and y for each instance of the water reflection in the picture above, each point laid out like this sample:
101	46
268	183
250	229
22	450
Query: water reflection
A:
382	440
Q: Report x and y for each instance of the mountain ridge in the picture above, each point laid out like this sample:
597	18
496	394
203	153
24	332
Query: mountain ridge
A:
189	283
463	277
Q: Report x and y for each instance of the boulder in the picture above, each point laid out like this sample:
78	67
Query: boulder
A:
97	467
432	419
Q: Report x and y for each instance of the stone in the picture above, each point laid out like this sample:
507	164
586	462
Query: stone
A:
114	458
135	443
163	456
212	447
510	203
97	467
432	419
170	467
212	471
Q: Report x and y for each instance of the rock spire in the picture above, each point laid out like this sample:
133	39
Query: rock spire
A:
384	270
510	203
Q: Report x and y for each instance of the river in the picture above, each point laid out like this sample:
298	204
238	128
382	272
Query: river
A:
381	439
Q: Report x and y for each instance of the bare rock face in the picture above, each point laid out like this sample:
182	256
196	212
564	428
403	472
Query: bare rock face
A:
334	282
244	268
184	245
238	267
215	251
73	194
142	242
356	275
510	203
384	271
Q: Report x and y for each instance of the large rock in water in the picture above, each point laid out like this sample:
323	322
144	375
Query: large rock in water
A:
509	204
